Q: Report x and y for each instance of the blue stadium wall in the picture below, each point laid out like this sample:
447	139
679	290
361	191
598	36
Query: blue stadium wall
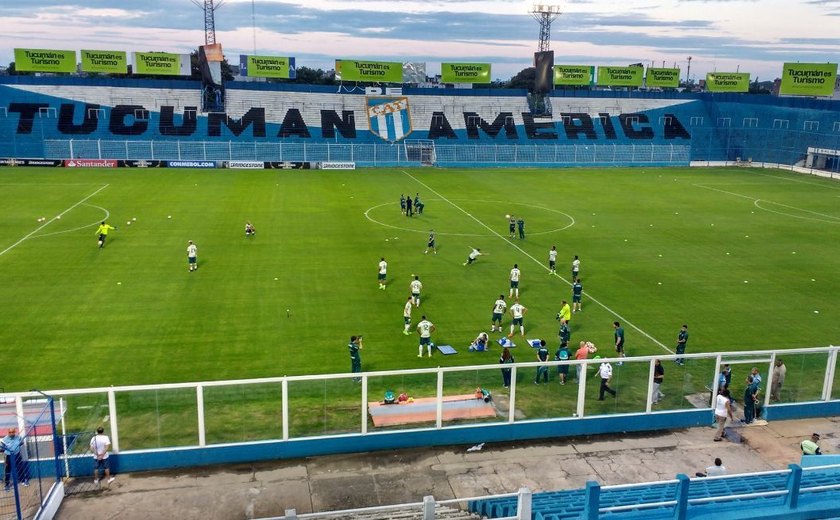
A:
117	119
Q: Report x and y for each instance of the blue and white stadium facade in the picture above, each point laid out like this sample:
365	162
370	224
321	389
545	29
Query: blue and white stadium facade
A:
83	118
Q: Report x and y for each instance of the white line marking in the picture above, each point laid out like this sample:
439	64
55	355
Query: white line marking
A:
493	231
45	224
756	202
106	217
785	178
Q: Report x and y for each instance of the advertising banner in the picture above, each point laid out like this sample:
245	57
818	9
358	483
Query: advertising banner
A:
246	165
90	163
576	75
808	79
620	76
728	81
662	78
32	162
338	165
106	62
465	73
141	163
45	60
288	165
162	63
191	164
380	71
267	66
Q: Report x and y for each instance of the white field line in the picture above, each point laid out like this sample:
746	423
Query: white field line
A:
757	203
801	181
541	264
45	224
106	217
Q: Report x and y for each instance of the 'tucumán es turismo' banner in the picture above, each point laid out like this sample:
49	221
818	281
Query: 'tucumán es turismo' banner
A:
728	81
376	71
267	66
663	78
808	79
576	75
106	62
620	76
465	72
45	60
162	63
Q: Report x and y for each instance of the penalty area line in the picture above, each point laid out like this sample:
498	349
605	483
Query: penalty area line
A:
495	233
45	224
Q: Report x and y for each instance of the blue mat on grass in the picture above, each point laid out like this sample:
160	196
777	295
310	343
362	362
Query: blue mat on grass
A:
446	349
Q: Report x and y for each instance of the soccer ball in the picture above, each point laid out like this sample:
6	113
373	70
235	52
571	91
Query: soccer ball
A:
591	347
507	216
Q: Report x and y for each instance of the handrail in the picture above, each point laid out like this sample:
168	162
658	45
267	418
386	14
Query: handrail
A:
637	484
725	498
640	505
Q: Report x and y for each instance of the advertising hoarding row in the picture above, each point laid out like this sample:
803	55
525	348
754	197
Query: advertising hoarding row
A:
808	79
375	71
465	73
282	67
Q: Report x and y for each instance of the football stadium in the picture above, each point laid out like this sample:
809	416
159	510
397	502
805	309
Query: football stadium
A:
344	267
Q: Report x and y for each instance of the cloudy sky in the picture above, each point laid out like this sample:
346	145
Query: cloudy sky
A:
756	36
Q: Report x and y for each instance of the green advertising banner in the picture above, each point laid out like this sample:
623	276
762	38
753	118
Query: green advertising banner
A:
111	62
728	81
269	66
808	79
664	78
465	73
384	71
45	60
157	63
620	76
577	75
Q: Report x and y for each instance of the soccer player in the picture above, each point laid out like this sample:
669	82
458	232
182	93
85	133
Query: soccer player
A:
577	292
514	281
565	313
431	243
418	205
192	256
517	310
475	253
565	333
102	231
512	226
383	270
416	286
354	347
575	267
552	260
407	316
425	328
542	370
402	203
499	309
619	340
479	344
520	224
682	339
250	230
408	211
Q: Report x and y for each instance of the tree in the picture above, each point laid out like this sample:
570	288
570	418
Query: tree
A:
525	78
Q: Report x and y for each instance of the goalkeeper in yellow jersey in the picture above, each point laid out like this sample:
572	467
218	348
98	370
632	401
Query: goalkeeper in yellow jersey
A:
102	231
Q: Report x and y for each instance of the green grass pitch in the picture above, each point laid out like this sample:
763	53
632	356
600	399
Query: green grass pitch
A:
748	258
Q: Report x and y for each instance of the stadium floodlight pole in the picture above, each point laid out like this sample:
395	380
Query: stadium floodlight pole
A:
56	444
545	14
209	8
688	72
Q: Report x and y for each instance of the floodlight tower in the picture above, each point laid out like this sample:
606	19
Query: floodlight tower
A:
209	9
545	14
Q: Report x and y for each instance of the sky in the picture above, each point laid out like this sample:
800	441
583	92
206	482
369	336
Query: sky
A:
755	36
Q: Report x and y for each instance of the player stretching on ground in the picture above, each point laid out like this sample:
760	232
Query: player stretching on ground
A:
250	230
514	281
475	253
192	256
499	309
102	231
517	310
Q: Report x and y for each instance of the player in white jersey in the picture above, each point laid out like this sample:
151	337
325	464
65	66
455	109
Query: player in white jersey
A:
517	310
416	287
192	256
575	268
407	316
383	270
514	281
425	328
474	253
552	260
499	308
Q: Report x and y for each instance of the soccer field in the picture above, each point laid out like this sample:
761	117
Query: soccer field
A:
747	258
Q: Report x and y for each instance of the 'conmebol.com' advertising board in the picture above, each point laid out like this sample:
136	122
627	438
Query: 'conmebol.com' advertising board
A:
191	164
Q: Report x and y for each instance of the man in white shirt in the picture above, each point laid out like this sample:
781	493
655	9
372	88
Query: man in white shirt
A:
517	310
407	316
713	471
99	445
192	256
425	328
723	409
383	270
514	281
552	260
475	253
575	268
605	373
499	308
416	286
